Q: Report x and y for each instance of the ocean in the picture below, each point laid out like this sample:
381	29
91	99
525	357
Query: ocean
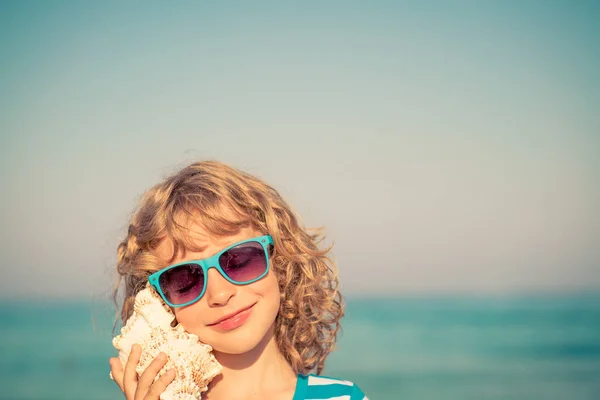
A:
520	347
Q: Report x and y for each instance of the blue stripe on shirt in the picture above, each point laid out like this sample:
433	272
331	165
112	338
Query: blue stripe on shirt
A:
316	387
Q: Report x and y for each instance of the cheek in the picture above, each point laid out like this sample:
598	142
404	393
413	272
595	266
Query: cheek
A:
271	295
188	317
268	286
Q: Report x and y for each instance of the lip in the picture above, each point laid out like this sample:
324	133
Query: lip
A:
233	320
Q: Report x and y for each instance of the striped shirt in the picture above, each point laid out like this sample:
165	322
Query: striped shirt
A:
313	387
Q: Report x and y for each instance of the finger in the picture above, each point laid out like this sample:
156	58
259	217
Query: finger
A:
160	385
116	370
150	373
130	377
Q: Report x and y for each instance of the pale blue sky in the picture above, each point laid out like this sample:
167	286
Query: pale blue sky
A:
447	147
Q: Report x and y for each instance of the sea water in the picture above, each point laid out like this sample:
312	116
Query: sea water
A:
521	347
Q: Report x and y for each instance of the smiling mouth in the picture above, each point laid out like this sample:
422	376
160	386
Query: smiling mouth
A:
232	318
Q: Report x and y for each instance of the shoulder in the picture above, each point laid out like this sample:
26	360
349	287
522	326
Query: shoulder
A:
325	388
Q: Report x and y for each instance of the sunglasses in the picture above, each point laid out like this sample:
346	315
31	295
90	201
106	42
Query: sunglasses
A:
242	263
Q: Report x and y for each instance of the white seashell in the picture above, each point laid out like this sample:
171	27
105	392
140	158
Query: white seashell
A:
150	326
135	331
181	390
150	306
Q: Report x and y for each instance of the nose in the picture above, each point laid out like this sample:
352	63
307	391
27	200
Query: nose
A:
218	289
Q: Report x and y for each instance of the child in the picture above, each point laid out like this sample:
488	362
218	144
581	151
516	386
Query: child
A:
266	301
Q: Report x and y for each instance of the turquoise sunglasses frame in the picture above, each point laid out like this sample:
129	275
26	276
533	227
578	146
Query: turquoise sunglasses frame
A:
212	262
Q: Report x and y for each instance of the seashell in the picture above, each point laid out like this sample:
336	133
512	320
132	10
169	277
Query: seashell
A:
150	326
150	306
135	331
185	390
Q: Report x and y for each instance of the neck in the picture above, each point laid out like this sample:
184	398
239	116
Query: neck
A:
260	372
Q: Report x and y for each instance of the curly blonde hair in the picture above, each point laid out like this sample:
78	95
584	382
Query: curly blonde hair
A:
311	306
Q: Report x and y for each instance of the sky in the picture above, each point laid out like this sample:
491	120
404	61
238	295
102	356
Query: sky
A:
446	147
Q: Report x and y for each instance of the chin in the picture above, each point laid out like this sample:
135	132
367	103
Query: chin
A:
242	340
235	348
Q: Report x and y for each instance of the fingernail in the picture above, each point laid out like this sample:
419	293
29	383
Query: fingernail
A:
161	356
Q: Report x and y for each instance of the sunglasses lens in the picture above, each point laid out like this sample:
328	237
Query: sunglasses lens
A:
182	284
245	262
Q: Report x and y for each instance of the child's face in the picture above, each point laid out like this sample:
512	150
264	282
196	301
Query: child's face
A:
242	332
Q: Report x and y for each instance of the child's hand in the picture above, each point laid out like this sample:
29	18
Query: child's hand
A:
143	388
